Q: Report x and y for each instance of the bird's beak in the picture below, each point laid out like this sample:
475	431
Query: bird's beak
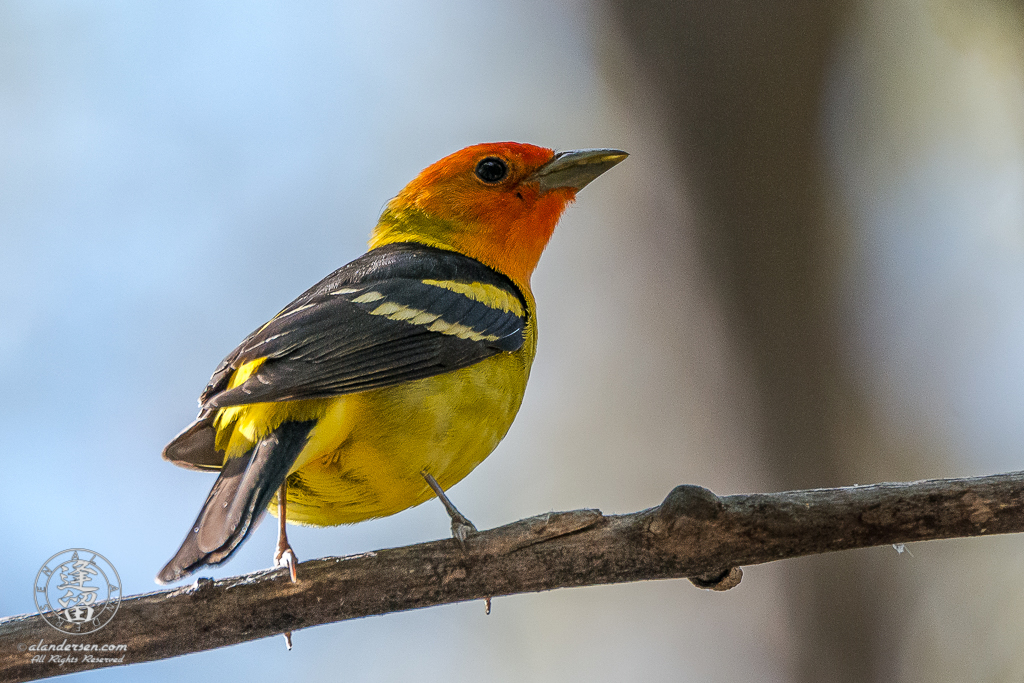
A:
576	168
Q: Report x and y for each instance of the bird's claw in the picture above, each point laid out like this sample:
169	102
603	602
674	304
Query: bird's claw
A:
285	557
462	528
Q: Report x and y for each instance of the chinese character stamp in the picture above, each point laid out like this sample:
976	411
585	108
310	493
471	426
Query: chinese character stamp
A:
77	591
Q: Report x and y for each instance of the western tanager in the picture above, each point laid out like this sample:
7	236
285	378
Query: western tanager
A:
397	372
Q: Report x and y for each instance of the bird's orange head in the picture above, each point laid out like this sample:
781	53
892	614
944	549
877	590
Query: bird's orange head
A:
497	203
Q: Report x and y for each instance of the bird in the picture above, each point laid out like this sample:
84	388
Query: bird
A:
391	379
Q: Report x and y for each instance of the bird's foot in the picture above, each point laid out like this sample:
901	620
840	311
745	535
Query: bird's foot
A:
285	557
461	526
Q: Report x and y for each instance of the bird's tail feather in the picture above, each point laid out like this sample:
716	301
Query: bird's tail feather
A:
238	500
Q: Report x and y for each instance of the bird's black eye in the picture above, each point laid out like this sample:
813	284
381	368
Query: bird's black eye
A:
491	170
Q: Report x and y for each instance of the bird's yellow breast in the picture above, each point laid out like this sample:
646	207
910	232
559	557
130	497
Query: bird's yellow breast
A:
365	455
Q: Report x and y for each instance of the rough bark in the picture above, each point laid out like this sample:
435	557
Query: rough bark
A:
693	534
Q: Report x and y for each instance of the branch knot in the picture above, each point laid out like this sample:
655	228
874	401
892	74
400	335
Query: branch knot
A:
683	506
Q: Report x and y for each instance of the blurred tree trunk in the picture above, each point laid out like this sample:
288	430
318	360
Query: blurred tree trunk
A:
740	84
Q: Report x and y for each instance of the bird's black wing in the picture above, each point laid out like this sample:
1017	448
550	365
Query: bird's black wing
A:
398	313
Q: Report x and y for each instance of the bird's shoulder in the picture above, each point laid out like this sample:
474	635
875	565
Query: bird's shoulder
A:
399	312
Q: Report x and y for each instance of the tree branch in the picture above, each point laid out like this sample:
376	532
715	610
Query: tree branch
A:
693	534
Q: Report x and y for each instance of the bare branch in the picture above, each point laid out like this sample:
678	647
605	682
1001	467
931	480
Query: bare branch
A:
693	534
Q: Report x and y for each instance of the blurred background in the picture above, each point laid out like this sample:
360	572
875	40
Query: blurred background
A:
810	272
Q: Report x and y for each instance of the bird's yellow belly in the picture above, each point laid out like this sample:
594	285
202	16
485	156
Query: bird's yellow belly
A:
365	456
